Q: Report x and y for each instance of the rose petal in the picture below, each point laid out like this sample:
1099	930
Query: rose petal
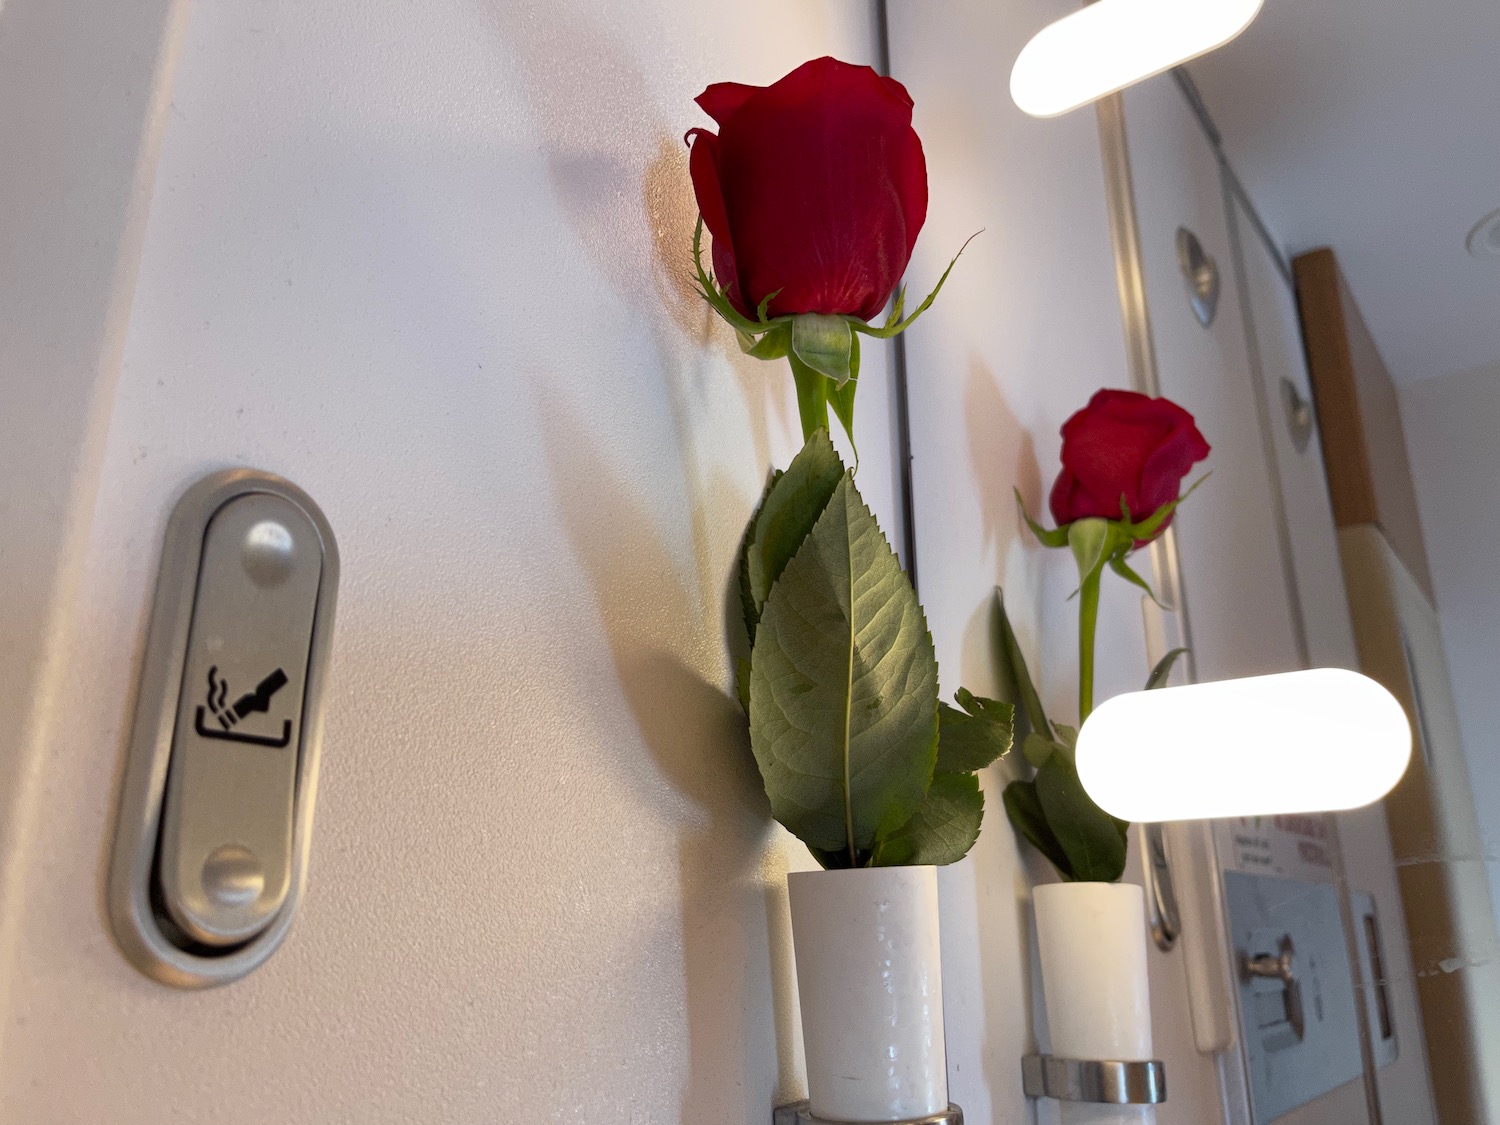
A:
824	185
721	99
1124	444
703	167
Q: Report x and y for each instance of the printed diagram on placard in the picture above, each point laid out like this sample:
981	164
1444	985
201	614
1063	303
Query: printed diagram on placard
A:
218	718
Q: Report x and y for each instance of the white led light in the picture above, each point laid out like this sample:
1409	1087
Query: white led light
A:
1299	742
1108	45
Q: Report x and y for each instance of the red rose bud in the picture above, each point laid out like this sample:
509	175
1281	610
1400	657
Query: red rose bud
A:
814	189
1125	444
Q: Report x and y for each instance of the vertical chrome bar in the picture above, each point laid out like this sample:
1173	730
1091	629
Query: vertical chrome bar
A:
898	362
1140	348
1166	569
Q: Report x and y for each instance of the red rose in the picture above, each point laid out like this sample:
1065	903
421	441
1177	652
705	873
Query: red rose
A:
815	186
1124	444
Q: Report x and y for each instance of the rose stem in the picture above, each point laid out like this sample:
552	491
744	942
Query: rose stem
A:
1088	619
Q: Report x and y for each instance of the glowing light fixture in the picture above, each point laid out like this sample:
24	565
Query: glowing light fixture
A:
1299	742
1111	44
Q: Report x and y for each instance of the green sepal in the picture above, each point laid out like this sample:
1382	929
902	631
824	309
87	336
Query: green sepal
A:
943	828
1148	528
823	343
841	398
894	324
1047	537
812	396
711	292
773	344
1163	670
1093	541
1066	736
1024	809
1118	564
898	305
974	737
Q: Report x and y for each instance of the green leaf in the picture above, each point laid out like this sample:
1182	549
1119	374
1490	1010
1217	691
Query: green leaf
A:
943	828
1047	537
749	606
742	683
894	325
793	503
1066	736
1163	670
1093	541
842	398
834	860
974	737
978	705
1089	836
1024	809
823	343
843	686
1015	679
1036	749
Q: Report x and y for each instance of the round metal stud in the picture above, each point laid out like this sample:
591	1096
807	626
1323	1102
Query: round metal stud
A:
1201	275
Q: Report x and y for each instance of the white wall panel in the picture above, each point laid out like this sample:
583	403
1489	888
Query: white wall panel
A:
1450	424
429	261
1322	601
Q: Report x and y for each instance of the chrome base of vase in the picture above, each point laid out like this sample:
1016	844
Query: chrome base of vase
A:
1101	1081
799	1113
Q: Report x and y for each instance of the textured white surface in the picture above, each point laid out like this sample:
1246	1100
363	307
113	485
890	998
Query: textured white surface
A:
429	263
1367	125
1450	439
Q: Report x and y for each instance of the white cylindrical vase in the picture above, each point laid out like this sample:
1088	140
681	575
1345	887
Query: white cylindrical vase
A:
1092	939
870	984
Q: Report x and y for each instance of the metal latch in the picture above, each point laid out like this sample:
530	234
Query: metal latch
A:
1279	967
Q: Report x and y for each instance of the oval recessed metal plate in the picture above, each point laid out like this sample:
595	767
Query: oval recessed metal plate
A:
211	844
1201	275
1299	415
